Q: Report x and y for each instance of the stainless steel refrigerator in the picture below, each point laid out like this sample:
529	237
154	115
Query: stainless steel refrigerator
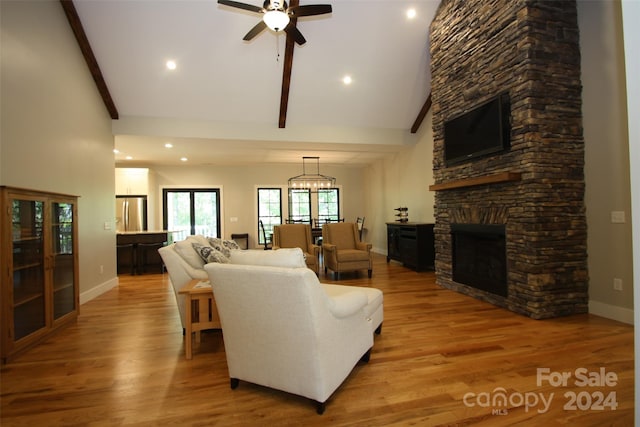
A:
131	213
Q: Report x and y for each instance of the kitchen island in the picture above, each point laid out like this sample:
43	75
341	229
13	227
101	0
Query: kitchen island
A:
138	251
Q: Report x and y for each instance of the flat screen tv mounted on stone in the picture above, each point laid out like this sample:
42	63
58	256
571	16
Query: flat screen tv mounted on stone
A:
484	130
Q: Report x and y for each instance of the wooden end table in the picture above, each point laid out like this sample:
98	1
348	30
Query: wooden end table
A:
201	311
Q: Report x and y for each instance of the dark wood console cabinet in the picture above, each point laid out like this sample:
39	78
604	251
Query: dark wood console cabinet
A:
412	244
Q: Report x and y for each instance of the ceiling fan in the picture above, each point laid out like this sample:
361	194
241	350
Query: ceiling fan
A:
278	16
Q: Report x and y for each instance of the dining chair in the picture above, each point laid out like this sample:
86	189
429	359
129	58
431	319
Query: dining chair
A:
266	241
360	225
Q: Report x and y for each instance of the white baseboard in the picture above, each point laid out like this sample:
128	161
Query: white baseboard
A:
613	312
380	251
96	291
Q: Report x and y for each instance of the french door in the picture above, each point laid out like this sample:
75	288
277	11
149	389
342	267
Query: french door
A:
191	211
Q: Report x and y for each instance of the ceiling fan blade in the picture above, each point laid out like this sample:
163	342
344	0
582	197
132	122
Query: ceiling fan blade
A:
293	31
239	5
309	10
257	29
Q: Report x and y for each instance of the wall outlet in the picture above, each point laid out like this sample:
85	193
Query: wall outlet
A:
617	284
102	269
618	217
233	219
107	225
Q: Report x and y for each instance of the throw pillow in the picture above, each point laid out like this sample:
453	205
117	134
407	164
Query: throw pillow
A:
209	254
224	246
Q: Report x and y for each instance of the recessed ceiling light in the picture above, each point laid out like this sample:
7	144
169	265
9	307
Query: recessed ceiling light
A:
168	145
411	13
116	151
129	158
183	159
171	64
347	80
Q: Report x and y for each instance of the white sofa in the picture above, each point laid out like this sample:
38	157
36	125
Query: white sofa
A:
184	263
285	330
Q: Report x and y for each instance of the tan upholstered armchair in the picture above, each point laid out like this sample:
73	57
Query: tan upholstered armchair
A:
298	236
342	249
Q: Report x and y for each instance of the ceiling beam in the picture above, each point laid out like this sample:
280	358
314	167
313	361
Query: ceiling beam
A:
286	72
90	59
422	114
286	80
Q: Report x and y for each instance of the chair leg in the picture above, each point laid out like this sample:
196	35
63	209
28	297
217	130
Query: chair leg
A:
365	358
370	271
234	383
320	407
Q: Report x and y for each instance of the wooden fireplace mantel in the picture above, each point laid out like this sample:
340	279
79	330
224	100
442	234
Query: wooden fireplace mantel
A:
481	180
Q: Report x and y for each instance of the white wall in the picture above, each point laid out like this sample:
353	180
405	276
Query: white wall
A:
56	133
606	158
631	17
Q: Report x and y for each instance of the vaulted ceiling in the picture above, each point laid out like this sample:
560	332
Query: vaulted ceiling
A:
221	103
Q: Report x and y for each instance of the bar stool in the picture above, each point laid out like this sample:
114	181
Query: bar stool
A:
148	256
123	251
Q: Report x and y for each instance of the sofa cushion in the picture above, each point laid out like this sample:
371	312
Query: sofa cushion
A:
185	249
210	254
285	257
349	255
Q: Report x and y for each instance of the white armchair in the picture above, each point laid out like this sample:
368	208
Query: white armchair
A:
283	330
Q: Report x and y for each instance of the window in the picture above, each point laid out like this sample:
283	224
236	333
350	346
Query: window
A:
328	205
300	206
269	211
191	211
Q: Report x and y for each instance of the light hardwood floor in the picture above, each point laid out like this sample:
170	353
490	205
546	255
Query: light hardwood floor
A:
441	355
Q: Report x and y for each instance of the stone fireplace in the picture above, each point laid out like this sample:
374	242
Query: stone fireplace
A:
533	192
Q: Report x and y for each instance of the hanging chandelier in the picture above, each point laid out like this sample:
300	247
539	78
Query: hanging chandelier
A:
309	181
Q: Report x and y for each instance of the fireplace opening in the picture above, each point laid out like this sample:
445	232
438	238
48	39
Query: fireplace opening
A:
480	256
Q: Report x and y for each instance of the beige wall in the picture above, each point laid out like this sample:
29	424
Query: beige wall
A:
56	133
606	158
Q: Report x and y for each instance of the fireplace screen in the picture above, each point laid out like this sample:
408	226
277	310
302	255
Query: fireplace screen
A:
480	257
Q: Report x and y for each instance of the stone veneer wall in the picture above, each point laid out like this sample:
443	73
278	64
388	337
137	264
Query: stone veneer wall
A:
530	48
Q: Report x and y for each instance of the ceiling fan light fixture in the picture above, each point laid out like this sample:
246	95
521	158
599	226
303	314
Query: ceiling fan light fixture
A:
276	20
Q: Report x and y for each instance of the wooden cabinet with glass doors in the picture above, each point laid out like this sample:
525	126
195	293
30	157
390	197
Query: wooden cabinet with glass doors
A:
39	260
